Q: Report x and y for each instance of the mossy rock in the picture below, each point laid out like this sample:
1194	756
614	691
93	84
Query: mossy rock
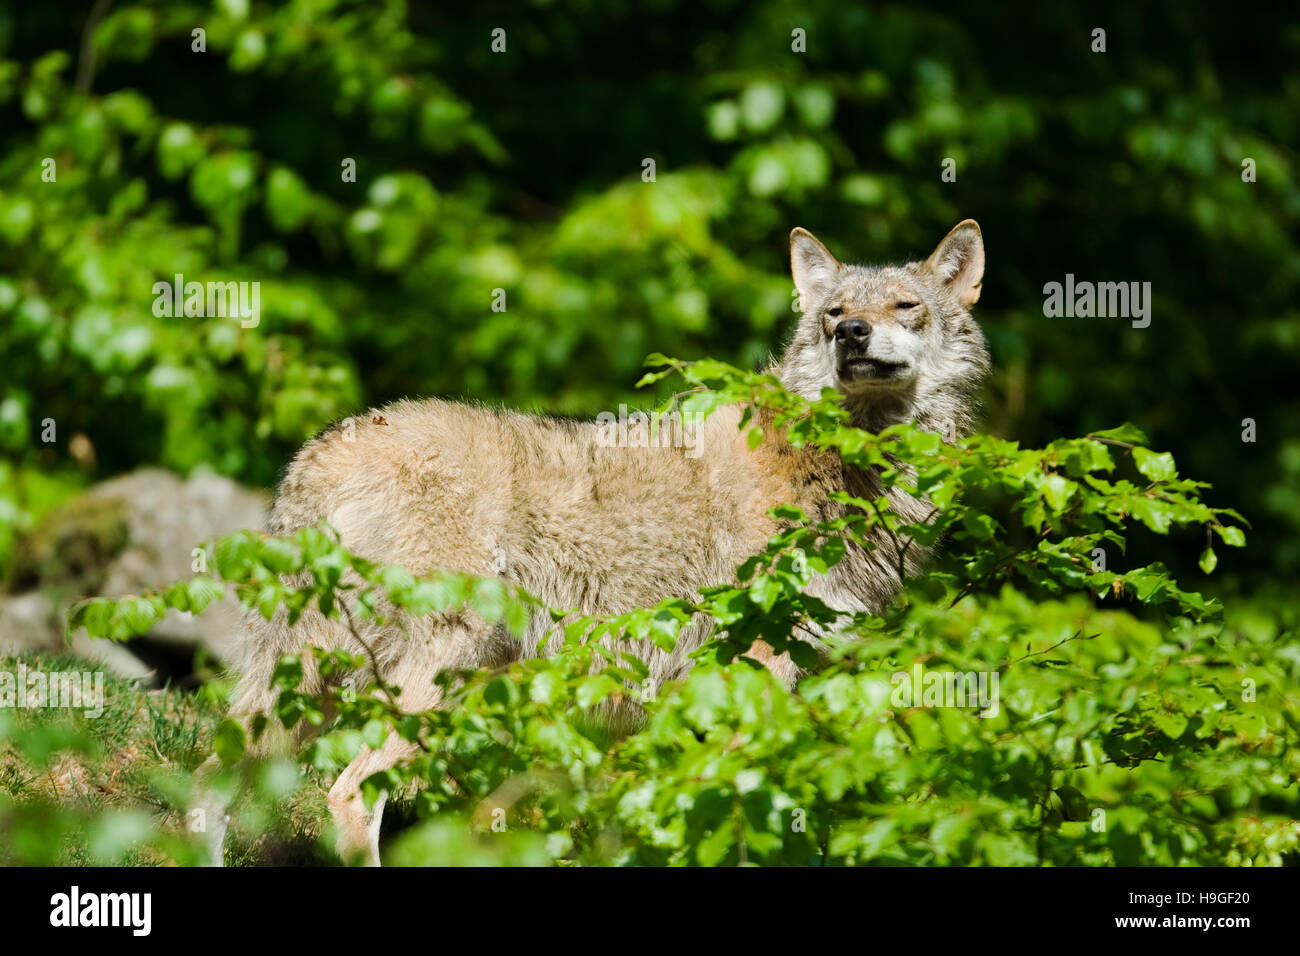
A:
72	546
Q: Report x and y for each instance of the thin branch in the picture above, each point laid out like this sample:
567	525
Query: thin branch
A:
1111	441
370	653
1048	650
86	58
898	548
970	587
934	510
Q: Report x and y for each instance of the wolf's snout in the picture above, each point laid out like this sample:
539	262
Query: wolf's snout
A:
853	332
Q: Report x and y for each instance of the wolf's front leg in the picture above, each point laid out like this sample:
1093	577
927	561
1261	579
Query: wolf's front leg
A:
208	814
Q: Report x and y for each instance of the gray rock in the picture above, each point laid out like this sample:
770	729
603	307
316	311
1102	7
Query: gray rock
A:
32	623
132	534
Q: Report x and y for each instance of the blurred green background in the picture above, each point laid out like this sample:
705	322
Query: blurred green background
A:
522	170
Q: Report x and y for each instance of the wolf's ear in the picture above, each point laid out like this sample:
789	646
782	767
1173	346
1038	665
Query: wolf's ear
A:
959	261
812	266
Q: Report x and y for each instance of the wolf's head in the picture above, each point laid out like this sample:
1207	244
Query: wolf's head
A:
898	341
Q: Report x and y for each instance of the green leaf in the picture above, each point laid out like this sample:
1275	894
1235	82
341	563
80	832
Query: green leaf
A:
1127	432
761	105
1058	490
1157	467
595	689
288	201
1171	724
228	741
1231	535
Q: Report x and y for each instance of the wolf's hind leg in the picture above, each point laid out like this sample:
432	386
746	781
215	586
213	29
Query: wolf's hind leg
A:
465	643
358	830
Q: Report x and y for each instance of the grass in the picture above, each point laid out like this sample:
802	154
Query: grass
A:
80	790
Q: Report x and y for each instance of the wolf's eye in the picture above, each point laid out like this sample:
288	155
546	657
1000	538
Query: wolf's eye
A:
833	312
906	305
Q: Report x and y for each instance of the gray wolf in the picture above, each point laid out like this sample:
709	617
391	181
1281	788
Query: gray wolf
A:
548	506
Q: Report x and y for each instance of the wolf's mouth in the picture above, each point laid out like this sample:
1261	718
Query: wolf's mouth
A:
861	368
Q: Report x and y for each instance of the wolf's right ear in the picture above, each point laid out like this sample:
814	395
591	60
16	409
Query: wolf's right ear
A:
812	266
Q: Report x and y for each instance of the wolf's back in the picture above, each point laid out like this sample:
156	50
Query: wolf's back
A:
436	485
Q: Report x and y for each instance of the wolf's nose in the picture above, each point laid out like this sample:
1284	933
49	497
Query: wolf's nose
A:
853	332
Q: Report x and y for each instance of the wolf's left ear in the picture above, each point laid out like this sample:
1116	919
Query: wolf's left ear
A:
959	261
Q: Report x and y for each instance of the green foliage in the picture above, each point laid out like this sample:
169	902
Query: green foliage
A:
521	172
1092	734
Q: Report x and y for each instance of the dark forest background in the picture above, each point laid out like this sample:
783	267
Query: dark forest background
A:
522	170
